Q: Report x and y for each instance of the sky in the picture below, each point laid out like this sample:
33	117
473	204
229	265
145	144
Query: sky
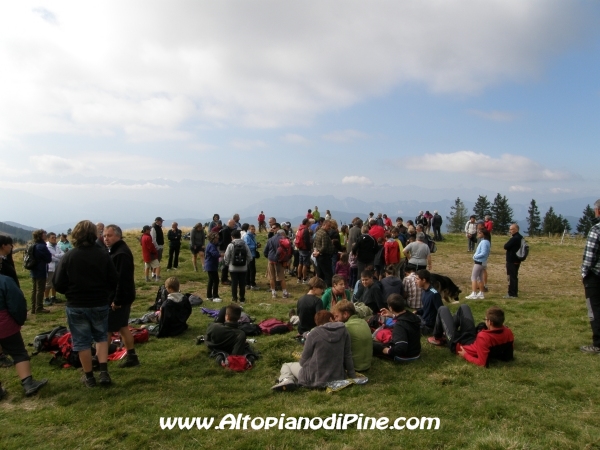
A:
186	106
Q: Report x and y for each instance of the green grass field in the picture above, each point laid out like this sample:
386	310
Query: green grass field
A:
547	398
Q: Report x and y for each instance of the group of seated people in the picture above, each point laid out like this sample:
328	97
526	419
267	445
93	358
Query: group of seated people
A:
339	344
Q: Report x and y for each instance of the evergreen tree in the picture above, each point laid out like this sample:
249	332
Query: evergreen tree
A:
458	217
587	221
482	207
552	223
533	219
502	214
565	223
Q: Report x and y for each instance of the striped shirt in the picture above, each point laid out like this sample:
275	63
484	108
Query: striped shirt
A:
591	253
412	292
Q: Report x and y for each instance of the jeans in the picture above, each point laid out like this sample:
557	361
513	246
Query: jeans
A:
451	326
512	271
591	284
173	256
238	280
212	290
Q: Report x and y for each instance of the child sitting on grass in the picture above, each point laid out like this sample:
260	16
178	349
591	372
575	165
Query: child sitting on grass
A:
310	304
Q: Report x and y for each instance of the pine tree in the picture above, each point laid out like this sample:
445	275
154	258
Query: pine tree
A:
533	219
552	223
564	223
458	217
482	207
587	221
502	214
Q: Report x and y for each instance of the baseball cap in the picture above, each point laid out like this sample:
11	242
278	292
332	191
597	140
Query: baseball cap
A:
158	219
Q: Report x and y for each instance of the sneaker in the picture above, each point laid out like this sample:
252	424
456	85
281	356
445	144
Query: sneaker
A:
480	296
439	342
254	288
473	296
47	302
287	384
220	359
41	310
286	295
5	361
88	382
130	361
589	349
200	340
56	300
104	379
299	281
274	295
217	300
226	283
304	281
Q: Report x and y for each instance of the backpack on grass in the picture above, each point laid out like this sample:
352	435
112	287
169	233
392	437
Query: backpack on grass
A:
274	326
48	340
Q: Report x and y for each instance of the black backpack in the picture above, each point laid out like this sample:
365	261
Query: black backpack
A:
239	254
29	261
161	297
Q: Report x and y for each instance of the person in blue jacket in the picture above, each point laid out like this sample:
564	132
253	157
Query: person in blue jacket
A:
39	273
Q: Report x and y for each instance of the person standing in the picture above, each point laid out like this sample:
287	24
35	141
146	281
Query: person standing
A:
471	233
250	240
512	262
39	272
436	223
323	252
124	295
87	276
174	238
237	256
211	266
480	258
197	239
57	254
158	239
224	240
590	275
262	225
275	269
149	254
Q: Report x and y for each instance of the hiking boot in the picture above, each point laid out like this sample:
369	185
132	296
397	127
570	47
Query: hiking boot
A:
104	378
5	361
41	310
130	361
88	382
47	302
31	386
589	349
287	384
439	342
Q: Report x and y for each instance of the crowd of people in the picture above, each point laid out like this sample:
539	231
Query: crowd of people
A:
371	293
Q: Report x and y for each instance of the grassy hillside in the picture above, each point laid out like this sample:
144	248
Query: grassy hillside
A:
547	398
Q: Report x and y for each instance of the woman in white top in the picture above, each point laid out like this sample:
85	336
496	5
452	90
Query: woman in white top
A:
418	254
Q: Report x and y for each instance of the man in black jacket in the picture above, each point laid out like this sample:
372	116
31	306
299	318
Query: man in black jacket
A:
436	223
512	262
224	241
124	295
406	333
226	337
174	237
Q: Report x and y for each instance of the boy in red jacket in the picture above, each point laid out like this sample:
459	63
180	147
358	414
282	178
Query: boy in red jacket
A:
477	346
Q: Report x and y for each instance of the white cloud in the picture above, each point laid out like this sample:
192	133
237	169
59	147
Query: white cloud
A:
55	165
248	144
517	188
292	138
508	167
494	116
344	136
560	190
355	179
149	69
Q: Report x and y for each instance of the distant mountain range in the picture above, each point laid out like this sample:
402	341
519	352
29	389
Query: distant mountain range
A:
19	234
290	208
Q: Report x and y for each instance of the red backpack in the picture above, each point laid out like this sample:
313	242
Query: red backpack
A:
284	250
299	242
274	326
391	252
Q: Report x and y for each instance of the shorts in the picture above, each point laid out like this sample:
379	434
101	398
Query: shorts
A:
304	257
275	271
49	284
160	252
119	318
87	325
154	264
476	275
199	249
